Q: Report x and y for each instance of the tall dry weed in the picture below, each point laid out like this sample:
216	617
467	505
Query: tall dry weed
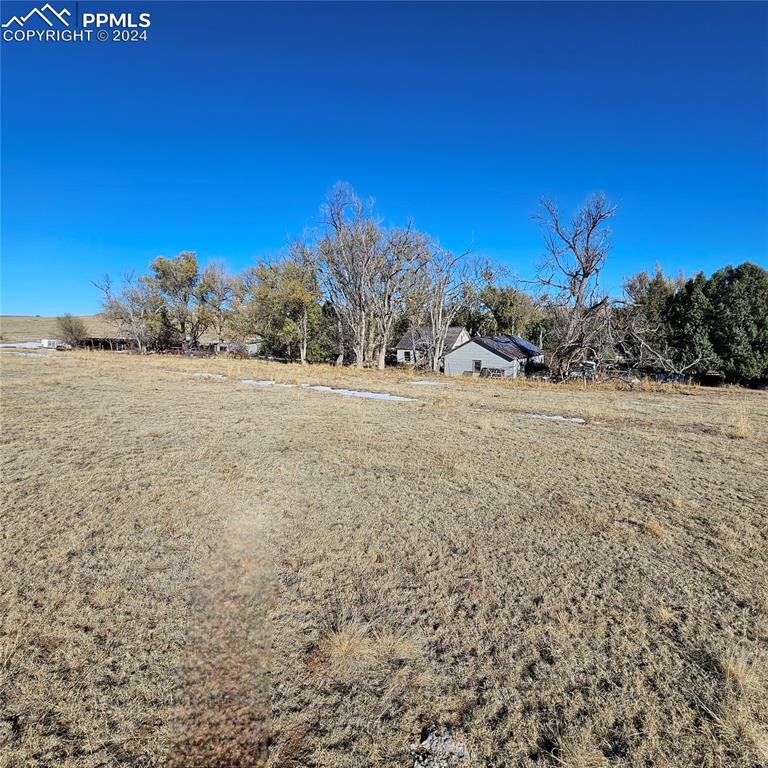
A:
740	427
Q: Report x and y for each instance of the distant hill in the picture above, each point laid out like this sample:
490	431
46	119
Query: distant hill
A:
36	327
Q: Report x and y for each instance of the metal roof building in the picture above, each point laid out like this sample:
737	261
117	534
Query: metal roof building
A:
499	355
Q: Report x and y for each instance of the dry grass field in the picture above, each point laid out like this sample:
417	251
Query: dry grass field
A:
202	572
27	328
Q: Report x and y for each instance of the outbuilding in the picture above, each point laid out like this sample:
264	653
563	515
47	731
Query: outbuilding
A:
503	356
412	349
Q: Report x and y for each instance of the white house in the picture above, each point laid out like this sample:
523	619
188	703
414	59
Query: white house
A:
492	356
412	347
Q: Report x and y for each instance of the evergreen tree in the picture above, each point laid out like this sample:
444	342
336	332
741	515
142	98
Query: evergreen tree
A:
738	322
688	317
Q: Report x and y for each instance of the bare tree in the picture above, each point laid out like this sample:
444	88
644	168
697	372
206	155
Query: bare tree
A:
366	272
449	285
340	337
346	254
246	316
218	298
136	309
395	279
576	251
638	341
71	329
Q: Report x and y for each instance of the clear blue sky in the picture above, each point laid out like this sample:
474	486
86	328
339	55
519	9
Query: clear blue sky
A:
223	133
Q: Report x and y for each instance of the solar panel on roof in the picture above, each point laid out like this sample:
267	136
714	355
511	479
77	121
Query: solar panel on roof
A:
526	345
511	346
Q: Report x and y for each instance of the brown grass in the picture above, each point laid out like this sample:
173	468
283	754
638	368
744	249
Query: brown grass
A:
655	529
741	425
14	328
206	573
27	328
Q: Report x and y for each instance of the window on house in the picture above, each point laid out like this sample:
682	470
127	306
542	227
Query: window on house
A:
477	366
407	356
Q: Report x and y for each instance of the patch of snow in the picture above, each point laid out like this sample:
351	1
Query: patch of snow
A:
267	383
216	376
322	388
360	393
439	751
427	383
574	419
29	354
23	345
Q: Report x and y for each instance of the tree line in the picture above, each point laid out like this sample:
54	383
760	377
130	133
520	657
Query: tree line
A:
348	289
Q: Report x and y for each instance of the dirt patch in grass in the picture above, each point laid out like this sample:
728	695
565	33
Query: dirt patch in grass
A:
207	573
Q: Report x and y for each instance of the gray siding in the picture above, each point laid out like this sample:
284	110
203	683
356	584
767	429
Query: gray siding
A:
401	357
460	360
461	338
419	357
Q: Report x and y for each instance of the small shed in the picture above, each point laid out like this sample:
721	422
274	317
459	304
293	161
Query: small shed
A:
54	344
504	356
250	347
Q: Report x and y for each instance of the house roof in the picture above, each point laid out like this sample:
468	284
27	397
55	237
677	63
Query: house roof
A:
509	347
416	338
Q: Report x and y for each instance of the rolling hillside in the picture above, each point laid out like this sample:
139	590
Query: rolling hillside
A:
36	327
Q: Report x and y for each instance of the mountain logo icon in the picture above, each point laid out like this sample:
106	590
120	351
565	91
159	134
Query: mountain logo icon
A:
41	14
